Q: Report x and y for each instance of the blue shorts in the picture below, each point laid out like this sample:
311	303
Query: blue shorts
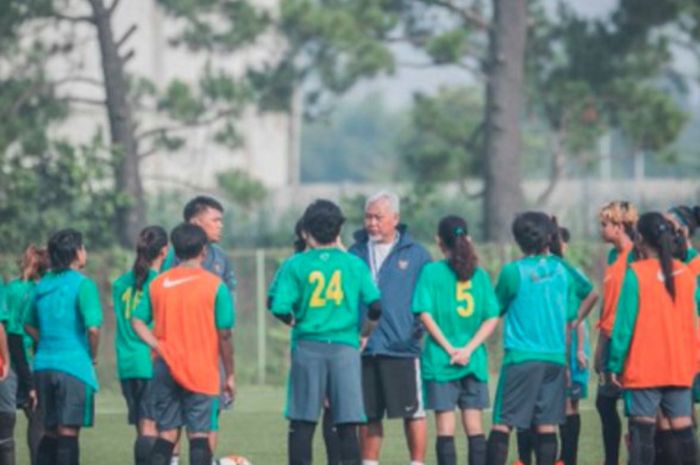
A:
464	393
674	402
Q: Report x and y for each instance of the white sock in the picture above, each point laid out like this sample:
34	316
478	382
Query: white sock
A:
417	463
175	460
370	462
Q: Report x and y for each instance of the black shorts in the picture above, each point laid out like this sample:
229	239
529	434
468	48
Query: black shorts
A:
392	385
138	393
65	400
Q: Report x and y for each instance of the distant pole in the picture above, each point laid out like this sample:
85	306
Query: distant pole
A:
260	287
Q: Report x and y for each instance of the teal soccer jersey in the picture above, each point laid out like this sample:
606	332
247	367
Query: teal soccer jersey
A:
323	288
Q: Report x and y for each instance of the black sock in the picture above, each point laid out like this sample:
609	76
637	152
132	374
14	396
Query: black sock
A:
497	448
665	448
611	427
7	439
526	444
200	452
330	438
445	450
67	451
641	443
477	449
142	449
569	439
348	444
686	442
546	448
46	452
162	452
301	434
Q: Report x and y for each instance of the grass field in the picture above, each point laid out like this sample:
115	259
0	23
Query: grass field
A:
256	429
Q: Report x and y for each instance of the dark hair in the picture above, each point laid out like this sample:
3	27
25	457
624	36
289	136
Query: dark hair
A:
151	241
680	244
453	231
564	234
687	216
658	233
556	241
323	220
33	263
299	241
198	204
188	240
533	232
63	248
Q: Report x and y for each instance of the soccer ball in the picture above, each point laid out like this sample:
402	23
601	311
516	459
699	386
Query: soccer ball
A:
233	460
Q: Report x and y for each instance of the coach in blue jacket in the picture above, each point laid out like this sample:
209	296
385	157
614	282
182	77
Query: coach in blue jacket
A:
390	364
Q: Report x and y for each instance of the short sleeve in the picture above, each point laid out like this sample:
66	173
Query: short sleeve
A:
144	310
507	286
4	310
89	304
422	296
369	290
224	314
286	293
491	307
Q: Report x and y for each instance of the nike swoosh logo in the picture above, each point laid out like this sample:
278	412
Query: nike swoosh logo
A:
167	283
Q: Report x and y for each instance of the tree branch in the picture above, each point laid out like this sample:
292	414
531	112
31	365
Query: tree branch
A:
113	7
85	100
73	19
469	16
81	79
126	35
185	127
148	153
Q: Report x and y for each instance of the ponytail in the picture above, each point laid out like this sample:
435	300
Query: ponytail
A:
658	233
151	241
452	231
33	263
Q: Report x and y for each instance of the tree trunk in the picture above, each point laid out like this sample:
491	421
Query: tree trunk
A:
503	195
131	216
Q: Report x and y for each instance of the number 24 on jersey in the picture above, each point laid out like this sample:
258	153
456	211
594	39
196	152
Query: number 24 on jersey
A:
323	292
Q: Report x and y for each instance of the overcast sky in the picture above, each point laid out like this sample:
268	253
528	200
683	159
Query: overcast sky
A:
398	89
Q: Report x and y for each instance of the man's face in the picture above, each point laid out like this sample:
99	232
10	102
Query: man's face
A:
211	221
381	221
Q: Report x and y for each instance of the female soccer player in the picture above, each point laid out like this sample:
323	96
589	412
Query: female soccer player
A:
457	304
19	294
318	292
134	364
617	227
533	294
652	348
687	220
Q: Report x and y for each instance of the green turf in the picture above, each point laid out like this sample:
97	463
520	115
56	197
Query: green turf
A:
257	430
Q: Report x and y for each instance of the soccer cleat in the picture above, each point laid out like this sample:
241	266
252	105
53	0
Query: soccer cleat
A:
518	462
559	462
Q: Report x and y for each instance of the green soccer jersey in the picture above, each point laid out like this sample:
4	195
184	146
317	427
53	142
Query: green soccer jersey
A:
323	288
133	355
19	294
458	308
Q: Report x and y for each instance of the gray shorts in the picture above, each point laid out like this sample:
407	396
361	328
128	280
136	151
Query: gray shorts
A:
464	393
8	393
138	393
531	393
176	407
323	371
65	400
674	402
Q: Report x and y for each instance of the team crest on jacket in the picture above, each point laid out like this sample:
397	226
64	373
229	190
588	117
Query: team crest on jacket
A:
403	264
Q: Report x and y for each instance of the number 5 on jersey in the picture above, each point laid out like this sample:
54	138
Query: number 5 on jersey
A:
464	296
322	293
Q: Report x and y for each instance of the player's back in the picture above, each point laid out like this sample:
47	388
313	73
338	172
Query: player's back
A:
325	287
